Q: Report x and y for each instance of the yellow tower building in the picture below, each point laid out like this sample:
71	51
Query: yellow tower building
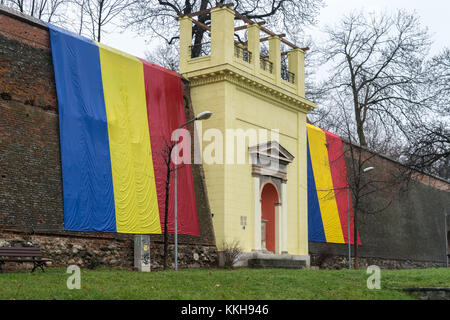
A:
261	205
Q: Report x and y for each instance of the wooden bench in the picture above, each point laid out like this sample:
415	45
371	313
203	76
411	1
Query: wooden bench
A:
22	255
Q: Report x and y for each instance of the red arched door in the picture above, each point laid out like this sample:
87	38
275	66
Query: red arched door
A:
269	197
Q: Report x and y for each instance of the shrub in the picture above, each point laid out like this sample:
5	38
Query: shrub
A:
231	252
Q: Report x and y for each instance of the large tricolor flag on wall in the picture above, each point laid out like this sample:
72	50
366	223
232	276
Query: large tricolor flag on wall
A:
116	116
327	189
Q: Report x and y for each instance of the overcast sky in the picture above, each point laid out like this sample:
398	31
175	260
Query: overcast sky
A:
435	14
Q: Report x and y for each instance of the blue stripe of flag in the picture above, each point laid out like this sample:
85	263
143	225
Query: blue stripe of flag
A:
85	156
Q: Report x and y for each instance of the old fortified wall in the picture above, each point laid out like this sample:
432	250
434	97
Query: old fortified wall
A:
31	202
409	232
402	223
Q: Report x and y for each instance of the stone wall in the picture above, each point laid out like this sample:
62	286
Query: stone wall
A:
108	251
330	261
31	202
84	251
401	221
440	293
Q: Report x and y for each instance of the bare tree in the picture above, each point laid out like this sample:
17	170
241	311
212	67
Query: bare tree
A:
166	158
439	70
80	4
158	18
47	10
377	64
166	56
384	94
96	14
428	149
390	182
360	186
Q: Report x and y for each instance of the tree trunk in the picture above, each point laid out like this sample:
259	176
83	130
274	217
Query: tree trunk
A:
199	32
32	9
355	235
100	11
359	127
166	216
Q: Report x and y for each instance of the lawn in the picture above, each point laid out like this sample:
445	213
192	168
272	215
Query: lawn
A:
204	284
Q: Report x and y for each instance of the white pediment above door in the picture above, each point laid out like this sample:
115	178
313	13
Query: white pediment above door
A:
270	159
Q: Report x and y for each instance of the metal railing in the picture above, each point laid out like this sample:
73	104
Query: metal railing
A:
242	53
200	50
265	64
287	75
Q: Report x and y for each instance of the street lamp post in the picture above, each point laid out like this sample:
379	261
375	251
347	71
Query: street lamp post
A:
446	237
201	116
348	229
355	239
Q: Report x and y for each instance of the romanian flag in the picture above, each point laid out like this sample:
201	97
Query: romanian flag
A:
327	189
116	116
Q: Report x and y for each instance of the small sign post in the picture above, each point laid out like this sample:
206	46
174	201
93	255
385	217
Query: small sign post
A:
142	252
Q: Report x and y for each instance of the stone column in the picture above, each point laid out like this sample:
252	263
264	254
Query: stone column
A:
142	252
254	45
257	214
185	42
222	35
278	225
284	212
296	60
275	57
302	185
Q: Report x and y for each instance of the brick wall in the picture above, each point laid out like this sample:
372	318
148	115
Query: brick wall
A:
31	202
30	172
26	64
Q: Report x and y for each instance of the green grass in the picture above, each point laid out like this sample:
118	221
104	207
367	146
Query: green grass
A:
204	284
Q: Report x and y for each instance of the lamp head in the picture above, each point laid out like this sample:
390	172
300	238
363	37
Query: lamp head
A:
203	115
368	169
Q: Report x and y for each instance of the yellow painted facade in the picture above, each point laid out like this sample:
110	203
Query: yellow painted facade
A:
242	95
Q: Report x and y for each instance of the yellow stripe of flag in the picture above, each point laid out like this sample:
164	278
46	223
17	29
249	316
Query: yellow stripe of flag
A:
129	139
324	185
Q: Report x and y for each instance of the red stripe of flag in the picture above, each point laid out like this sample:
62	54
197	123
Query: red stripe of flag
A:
165	111
339	176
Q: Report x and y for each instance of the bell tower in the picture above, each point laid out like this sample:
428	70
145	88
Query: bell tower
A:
247	92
